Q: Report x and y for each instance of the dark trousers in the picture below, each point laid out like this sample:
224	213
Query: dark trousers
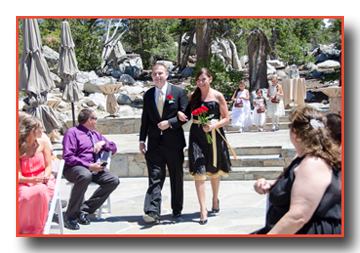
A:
82	177
156	161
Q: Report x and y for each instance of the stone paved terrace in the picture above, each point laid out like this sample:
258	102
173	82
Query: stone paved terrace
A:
242	211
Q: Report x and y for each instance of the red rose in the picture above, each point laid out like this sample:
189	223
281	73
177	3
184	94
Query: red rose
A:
169	97
200	110
195	112
204	108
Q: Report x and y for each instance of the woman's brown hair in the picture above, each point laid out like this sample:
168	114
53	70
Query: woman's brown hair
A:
238	89
196	96
310	127
25	126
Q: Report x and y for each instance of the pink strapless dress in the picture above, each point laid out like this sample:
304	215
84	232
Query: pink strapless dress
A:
34	198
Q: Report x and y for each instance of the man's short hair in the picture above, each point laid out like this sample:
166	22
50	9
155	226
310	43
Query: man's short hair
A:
159	64
84	114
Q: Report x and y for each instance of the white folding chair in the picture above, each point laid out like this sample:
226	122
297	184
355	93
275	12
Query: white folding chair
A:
58	168
107	203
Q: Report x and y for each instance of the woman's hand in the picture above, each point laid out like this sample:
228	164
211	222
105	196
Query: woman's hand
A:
261	186
208	128
182	116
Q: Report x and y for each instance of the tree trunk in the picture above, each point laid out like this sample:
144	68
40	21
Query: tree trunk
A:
203	39
187	51
179	63
257	43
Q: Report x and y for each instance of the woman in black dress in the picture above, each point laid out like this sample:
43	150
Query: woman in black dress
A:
206	159
306	198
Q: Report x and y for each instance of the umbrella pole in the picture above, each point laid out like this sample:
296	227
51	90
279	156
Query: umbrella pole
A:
73	112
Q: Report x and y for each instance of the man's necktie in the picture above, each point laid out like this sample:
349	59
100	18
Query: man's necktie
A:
160	103
96	156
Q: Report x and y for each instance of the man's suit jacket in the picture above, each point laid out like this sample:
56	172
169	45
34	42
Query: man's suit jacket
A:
174	135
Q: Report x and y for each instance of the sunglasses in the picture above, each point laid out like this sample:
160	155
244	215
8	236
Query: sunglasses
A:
95	118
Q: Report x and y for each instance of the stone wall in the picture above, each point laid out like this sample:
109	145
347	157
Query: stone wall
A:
123	125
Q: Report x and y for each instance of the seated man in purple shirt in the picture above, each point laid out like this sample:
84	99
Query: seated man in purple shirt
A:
81	145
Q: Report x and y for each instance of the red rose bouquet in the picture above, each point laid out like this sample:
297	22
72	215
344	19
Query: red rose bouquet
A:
203	119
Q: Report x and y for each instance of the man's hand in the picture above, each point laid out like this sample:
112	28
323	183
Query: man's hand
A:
98	146
96	167
142	148
163	125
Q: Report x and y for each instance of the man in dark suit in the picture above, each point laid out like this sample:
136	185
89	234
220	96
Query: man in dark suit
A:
166	142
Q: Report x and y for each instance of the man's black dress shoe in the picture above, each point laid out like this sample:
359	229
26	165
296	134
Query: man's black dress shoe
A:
176	214
151	217
71	224
83	219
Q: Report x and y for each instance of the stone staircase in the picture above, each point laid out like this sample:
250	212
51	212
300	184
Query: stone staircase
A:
254	162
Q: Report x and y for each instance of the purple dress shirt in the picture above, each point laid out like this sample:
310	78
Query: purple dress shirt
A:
78	148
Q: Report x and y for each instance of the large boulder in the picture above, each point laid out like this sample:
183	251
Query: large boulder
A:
328	64
92	86
244	60
83	77
123	99
126	79
56	79
276	64
97	100
327	52
51	57
168	64
187	72
270	69
133	71
131	64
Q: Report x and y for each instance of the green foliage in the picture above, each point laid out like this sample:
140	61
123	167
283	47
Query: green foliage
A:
151	38
225	79
86	34
289	39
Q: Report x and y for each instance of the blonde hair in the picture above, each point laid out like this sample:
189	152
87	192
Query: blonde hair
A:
310	127
25	126
23	115
277	82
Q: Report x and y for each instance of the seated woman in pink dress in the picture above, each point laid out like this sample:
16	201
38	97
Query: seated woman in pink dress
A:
36	183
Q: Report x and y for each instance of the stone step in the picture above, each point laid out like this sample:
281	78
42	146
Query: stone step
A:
268	119
247	173
253	150
253	161
267	127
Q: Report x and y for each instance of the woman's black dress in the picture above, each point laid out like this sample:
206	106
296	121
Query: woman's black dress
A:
327	216
201	152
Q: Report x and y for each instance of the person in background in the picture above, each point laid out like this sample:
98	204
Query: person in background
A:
334	125
165	143
207	159
259	117
81	147
306	197
241	111
36	183
275	105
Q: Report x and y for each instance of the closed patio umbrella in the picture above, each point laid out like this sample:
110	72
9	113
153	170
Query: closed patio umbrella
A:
34	76
67	68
